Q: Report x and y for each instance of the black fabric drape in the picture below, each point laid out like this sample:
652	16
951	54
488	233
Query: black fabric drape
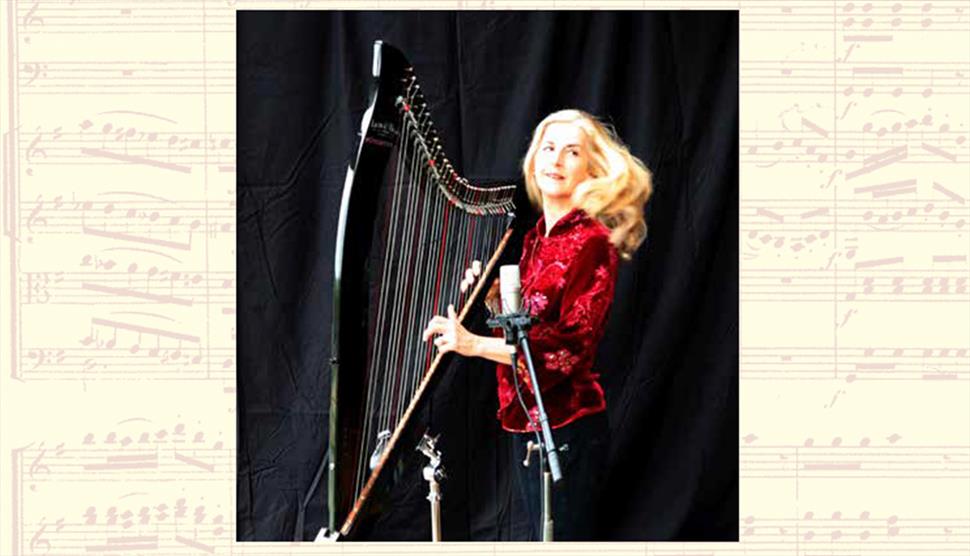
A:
668	82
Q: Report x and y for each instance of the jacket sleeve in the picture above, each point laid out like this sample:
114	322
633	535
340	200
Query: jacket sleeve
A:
561	345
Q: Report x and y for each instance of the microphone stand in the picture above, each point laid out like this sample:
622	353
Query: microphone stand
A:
434	473
516	325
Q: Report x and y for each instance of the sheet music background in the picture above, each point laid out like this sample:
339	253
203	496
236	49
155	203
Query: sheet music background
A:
118	290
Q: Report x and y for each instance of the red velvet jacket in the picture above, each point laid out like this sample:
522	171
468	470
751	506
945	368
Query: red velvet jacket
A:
567	282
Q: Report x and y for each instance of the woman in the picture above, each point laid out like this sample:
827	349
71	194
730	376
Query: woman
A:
591	192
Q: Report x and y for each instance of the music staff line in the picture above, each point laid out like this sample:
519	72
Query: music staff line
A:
77	537
128	361
862	531
763	150
871	532
164	224
856	21
852	364
130	145
58	78
148	207
133	287
857	463
123	529
52	17
853	80
875	31
758	546
159	463
135	528
118	360
169	457
760	147
923	286
808	133
144	234
42	79
802	208
764	232
856	215
800	75
129	77
862	14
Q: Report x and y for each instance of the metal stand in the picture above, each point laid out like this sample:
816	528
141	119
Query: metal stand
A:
434	472
547	520
516	326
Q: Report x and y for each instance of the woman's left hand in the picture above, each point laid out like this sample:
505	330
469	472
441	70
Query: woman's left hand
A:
452	336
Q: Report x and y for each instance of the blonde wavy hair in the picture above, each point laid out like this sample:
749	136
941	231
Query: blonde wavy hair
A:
619	184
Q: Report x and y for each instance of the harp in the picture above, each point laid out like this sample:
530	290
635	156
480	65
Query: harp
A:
409	226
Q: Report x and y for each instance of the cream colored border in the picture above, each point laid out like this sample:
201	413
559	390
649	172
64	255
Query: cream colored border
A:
855	326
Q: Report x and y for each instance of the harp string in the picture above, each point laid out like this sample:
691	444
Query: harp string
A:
393	370
436	225
430	296
372	378
419	263
378	413
387	331
404	333
391	367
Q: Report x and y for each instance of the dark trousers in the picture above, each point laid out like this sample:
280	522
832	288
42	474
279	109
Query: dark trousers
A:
575	497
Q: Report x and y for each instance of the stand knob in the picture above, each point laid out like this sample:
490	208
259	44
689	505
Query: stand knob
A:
529	448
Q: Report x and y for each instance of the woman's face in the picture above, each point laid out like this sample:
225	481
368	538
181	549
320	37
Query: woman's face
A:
562	161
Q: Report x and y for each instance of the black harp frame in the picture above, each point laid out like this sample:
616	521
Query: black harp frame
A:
355	515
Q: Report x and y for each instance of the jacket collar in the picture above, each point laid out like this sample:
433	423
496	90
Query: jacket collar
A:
564	224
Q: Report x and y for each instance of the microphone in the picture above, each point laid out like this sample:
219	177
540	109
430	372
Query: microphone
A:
510	287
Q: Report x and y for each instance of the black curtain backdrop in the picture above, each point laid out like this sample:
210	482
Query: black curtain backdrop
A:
668	82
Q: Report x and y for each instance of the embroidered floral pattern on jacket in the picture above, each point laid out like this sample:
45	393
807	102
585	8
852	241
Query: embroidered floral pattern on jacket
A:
560	360
567	282
536	303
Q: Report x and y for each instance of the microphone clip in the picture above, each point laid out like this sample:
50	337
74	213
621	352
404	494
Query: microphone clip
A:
515	325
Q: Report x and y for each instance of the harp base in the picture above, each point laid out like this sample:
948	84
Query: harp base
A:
326	535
